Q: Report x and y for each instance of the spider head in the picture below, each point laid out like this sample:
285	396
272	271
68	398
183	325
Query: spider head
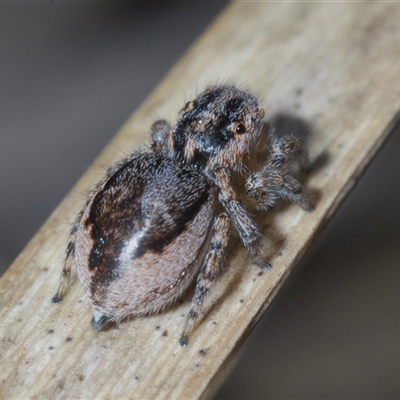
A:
220	127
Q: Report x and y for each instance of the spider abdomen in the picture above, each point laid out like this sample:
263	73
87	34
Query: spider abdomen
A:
141	241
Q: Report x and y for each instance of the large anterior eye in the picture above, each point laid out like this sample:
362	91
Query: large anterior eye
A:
240	128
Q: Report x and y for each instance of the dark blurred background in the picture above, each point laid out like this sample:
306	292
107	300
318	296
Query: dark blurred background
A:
70	76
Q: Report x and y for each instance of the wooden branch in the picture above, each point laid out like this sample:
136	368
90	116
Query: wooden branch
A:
334	66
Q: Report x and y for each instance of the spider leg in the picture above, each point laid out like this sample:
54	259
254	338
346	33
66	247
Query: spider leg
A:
248	230
212	266
158	133
286	150
65	277
67	267
269	184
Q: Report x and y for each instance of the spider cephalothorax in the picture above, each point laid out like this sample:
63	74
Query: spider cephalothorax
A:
218	128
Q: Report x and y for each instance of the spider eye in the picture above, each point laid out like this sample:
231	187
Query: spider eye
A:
240	128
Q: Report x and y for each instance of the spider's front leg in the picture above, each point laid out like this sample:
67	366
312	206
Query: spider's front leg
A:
158	132
286	150
269	184
248	230
273	180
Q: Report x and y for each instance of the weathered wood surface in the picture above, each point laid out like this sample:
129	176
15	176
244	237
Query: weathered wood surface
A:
336	67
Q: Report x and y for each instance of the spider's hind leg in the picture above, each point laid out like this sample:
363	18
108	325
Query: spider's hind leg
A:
65	277
68	264
212	265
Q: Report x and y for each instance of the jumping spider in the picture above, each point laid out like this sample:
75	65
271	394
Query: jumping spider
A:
160	219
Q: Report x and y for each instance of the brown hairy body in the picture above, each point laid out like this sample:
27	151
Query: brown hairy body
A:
160	219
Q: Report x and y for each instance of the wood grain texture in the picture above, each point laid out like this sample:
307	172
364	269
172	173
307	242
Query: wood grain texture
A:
333	66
